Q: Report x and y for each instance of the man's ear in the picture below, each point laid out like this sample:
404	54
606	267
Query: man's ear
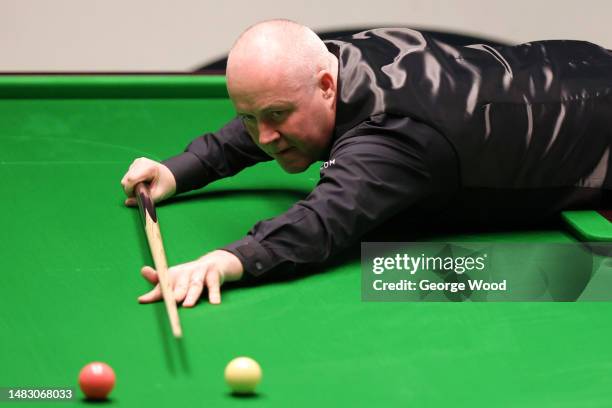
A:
326	84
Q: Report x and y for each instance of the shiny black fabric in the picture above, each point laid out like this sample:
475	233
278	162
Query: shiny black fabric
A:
218	66
531	115
424	128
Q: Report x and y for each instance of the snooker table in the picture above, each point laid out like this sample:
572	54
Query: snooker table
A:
72	254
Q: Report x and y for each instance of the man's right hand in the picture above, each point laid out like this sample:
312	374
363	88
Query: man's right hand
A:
159	177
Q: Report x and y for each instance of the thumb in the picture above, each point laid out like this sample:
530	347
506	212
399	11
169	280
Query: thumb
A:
142	174
157	191
130	202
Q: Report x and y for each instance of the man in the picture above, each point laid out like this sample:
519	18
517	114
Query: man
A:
408	124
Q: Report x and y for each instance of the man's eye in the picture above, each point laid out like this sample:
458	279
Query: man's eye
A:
247	118
277	115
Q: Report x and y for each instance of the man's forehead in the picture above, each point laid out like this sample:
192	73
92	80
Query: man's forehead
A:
250	96
261	102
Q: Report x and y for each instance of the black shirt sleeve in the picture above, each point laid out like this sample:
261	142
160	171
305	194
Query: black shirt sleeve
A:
376	170
214	156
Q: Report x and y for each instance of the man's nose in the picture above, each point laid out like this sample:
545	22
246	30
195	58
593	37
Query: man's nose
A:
267	134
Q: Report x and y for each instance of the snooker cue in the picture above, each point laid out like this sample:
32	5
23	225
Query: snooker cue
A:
151	226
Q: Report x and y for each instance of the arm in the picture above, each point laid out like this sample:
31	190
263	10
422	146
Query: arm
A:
206	159
381	168
214	156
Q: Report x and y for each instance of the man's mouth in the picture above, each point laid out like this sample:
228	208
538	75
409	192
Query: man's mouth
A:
284	151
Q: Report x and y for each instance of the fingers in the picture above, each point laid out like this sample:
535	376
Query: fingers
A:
149	274
161	180
188	281
196	286
151	296
204	276
213	282
181	286
154	294
142	169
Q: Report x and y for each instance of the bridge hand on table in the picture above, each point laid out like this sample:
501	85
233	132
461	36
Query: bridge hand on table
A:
189	279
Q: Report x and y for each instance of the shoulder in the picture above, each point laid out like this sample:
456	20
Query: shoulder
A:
390	138
384	129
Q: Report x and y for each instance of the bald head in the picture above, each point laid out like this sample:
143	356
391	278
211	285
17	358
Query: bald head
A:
280	48
282	81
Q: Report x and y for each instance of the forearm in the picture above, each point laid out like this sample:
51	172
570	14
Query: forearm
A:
371	180
214	156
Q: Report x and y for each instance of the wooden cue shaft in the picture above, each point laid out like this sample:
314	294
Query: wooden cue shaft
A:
151	226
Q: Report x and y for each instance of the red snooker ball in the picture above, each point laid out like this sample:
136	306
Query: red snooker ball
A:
96	380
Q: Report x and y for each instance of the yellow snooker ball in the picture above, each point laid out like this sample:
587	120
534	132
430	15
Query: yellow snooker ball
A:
243	374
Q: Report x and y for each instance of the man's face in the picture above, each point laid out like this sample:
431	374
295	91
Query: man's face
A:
292	123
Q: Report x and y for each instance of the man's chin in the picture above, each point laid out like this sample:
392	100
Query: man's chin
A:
294	167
